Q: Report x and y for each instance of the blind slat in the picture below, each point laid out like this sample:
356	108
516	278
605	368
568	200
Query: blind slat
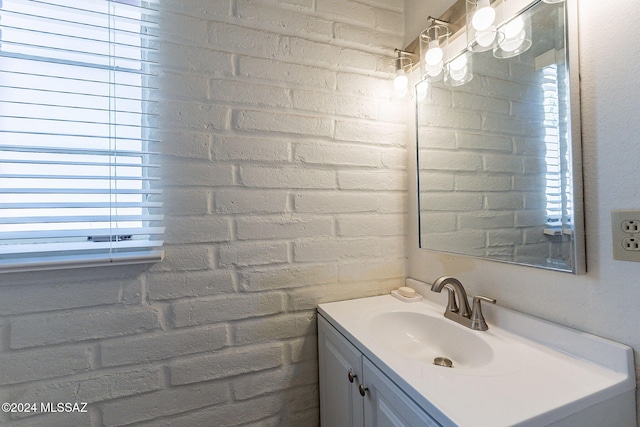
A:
69	150
80	205
74	163
58	234
81	177
67	219
79	191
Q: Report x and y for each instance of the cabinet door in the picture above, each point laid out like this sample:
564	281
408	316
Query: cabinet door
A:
387	406
340	401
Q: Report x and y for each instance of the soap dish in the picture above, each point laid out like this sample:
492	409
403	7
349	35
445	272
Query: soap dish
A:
415	298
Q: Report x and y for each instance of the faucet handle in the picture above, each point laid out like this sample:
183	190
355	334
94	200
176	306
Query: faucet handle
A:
477	319
483	298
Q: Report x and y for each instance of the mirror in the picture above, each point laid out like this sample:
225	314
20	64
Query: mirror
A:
499	159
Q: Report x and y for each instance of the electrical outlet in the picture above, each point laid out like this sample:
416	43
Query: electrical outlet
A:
631	244
631	226
625	232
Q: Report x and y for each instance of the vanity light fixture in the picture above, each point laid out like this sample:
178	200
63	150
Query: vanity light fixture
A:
496	25
403	64
517	37
433	42
482	21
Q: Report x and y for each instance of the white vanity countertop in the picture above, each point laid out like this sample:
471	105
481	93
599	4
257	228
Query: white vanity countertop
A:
540	372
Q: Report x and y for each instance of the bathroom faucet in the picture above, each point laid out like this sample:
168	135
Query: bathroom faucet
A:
458	305
456	291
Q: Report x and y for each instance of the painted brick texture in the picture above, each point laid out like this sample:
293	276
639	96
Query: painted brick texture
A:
480	179
284	176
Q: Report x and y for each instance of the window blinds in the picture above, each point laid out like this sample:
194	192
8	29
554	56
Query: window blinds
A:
78	176
558	190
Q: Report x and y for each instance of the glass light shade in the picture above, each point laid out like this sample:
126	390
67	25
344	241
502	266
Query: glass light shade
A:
403	66
552	1
459	70
514	27
486	38
482	20
400	84
433	43
516	37
434	72
401	81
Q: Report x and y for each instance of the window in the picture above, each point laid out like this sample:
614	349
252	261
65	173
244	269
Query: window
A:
78	182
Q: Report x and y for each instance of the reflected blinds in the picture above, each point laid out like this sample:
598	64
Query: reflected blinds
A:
558	190
78	179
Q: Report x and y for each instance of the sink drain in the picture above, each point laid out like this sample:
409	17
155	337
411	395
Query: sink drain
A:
443	361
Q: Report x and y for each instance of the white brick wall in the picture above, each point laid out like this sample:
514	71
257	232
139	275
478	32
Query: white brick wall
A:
476	168
285	186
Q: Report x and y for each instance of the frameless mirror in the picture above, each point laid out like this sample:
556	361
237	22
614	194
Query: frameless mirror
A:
499	160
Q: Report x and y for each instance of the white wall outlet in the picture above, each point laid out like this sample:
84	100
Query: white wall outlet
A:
631	226
625	232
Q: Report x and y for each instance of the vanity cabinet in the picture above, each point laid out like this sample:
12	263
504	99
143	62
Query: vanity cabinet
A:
356	393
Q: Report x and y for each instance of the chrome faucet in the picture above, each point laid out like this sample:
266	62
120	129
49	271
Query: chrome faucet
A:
458	305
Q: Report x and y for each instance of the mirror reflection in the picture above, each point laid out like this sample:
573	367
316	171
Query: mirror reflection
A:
496	154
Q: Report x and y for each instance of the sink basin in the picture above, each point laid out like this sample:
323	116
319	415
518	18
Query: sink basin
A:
423	337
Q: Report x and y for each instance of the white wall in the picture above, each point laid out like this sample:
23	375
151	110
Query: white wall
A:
416	21
605	301
285	182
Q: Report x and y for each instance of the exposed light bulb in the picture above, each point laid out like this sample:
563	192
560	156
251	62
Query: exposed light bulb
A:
487	37
435	54
514	34
458	68
458	75
459	63
484	16
401	83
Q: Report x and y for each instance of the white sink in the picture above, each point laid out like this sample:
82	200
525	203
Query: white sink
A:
424	338
523	371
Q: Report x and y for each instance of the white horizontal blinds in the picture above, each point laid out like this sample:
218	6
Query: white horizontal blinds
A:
78	179
554	188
